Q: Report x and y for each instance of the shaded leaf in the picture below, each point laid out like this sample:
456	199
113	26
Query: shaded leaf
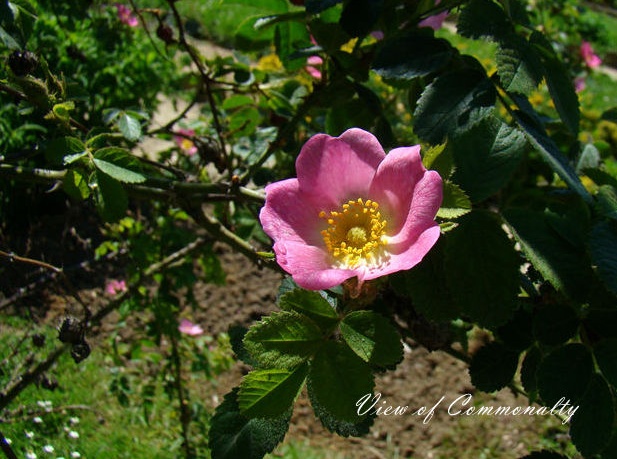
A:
565	266
531	362
492	367
233	435
110	198
283	340
373	338
270	393
592	424
58	149
555	324
453	103
483	18
605	352
603	248
482	268
312	305
606	201
519	66
119	164
412	55
338	378
76	185
486	156
565	373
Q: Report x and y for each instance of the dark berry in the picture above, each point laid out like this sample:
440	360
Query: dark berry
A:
71	331
165	33
38	340
80	351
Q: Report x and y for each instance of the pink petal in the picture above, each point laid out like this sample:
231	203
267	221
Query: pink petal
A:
435	22
337	169
427	197
189	328
312	71
290	215
394	183
314	60
310	266
409	257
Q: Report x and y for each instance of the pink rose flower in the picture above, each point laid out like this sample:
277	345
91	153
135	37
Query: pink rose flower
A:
579	84
591	59
114	287
126	15
353	211
435	22
313	62
189	328
184	142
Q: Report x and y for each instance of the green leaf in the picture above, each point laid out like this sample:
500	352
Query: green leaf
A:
283	340
529	368
373	338
555	324
603	248
311	304
492	367
130	127
559	82
482	268
110	198
58	148
588	159
519	66
359	17
455	202
517	334
62	110
549	151
440	159
270	393
238	100
605	352
411	55
7	40
592	425
426	285
119	164
565	373
607	201
486	156
233	435
453	103
342	428
483	18
338	378
564	265
76	185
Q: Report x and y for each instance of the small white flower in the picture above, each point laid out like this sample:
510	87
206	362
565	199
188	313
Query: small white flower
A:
74	420
29	434
30	455
75	455
73	434
8	441
37	420
48	449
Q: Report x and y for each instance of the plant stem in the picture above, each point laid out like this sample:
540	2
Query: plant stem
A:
182	394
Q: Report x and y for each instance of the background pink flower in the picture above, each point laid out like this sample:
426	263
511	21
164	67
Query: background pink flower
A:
125	14
189	328
114	287
313	62
184	142
591	59
435	22
353	211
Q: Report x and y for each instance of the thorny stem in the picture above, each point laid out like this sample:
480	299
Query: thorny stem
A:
207	82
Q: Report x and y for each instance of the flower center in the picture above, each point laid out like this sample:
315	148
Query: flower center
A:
355	233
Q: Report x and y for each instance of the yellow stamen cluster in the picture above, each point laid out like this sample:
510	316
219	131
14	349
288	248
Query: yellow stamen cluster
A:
356	233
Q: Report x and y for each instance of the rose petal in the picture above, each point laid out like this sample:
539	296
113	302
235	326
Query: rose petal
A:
338	169
310	266
408	258
290	215
394	183
427	197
